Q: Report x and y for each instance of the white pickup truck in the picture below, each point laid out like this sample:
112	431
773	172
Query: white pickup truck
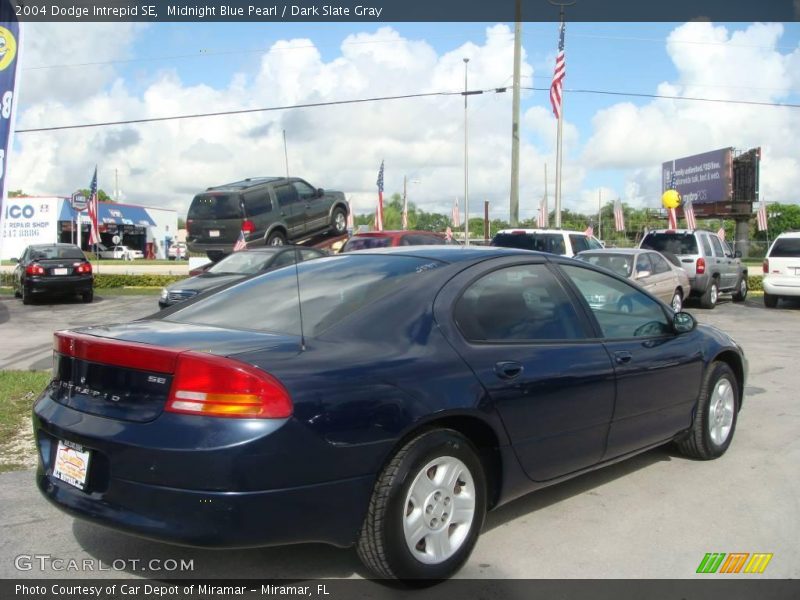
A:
121	253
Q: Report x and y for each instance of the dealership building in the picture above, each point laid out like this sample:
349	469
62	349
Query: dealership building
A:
46	220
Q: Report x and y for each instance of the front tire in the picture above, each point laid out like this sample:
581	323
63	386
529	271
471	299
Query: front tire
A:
711	295
715	417
426	510
741	290
770	301
677	301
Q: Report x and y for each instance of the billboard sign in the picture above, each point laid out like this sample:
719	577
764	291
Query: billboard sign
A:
703	178
28	221
9	59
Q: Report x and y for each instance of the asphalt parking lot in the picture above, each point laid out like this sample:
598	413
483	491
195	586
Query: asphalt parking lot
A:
654	516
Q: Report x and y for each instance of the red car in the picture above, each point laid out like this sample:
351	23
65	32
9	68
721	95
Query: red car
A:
389	239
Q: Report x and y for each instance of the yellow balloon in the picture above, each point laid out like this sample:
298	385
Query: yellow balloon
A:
671	199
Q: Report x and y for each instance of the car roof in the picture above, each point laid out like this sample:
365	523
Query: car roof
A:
58	245
248	183
394	233
617	251
519	230
452	254
789	234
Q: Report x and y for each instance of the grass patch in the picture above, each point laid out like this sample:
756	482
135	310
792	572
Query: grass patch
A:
18	390
129	291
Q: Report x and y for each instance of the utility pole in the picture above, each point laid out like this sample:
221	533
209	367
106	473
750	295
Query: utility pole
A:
486	230
599	214
545	206
466	159
285	154
514	209
116	185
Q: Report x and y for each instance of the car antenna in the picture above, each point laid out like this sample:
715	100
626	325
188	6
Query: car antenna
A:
299	303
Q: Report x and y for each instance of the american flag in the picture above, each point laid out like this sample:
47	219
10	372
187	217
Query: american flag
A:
619	216
405	212
240	243
688	212
350	223
761	217
672	217
589	231
556	87
721	233
456	214
541	219
92	207
379	209
448	235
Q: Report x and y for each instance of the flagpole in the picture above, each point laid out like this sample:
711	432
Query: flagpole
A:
559	134
546	209
404	216
466	159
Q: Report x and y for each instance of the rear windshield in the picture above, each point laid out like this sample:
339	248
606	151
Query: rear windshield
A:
677	243
214	206
49	252
331	289
366	243
543	242
786	247
621	264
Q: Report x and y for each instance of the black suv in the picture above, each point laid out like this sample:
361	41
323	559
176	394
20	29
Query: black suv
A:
268	210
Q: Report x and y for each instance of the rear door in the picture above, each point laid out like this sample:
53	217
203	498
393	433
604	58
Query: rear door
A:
292	211
215	218
784	263
516	326
258	209
664	281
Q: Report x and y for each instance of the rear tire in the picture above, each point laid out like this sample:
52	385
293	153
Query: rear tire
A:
88	296
339	222
770	301
715	416
17	294
741	290
711	295
25	295
276	238
427	509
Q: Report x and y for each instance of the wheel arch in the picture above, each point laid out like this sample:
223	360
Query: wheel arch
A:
478	431
338	204
734	361
277	227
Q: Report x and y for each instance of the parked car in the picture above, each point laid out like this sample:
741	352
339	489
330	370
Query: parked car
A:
712	266
121	253
269	211
235	267
648	268
553	241
389	239
782	269
178	251
379	399
53	269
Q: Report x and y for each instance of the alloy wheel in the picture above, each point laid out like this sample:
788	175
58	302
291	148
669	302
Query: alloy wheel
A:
720	412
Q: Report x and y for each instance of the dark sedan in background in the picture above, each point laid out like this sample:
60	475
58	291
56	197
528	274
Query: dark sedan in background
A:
235	267
415	390
54	270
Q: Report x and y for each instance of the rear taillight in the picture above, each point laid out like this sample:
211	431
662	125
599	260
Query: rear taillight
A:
189	224
83	267
215	386
701	266
765	266
34	269
248	226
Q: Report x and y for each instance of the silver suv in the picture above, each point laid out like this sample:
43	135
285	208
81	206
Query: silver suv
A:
710	263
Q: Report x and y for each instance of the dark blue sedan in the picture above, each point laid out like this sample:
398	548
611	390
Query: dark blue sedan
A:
381	399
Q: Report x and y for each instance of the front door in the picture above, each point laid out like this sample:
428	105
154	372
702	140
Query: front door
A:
518	329
291	210
658	372
315	206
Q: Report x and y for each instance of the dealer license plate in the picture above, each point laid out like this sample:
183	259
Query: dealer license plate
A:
60	271
213	233
72	464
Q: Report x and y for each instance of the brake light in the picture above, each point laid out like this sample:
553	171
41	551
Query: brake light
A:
701	266
211	385
83	267
765	266
189	223
34	269
248	226
517	232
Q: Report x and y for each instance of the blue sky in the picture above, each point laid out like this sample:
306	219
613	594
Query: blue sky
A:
607	56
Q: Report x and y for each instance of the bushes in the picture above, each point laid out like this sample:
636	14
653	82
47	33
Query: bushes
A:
110	280
754	282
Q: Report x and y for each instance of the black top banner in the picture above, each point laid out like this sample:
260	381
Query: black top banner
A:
275	11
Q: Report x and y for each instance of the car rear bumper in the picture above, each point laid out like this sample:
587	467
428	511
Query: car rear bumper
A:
66	284
779	285
230	489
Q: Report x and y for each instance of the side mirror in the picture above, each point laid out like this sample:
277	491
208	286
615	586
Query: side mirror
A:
642	274
683	322
737	254
320	192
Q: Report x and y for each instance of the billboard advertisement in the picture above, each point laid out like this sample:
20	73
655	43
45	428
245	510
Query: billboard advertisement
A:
28	221
703	178
9	58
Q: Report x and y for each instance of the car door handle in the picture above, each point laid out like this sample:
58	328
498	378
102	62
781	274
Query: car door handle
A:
623	357
508	369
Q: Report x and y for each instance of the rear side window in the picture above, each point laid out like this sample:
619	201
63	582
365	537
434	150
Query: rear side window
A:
524	302
415	239
331	289
213	206
786	248
579	243
677	243
366	243
718	251
542	242
660	264
257	203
